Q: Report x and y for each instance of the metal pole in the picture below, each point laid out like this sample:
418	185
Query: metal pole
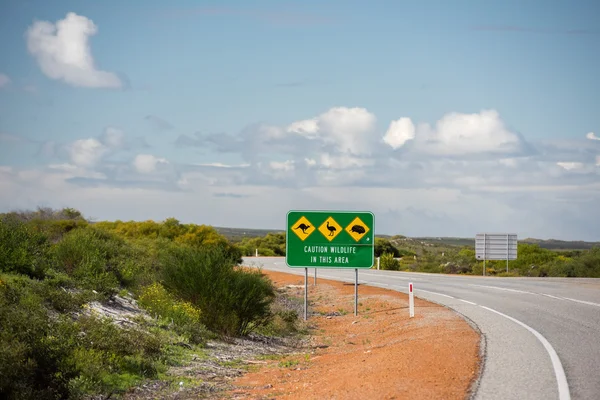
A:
305	293
315	277
356	292
507	253
484	252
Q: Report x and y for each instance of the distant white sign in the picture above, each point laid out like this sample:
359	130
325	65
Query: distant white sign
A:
496	246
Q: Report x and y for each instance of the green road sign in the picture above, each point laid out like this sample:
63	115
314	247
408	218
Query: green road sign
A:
330	239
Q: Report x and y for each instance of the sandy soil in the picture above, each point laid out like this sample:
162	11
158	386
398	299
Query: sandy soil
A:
379	354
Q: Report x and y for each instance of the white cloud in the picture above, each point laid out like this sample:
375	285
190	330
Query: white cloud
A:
283	166
307	127
86	152
463	134
221	165
113	138
4	80
76	171
509	162
63	52
592	136
310	164
343	161
399	132
147	163
349	130
570	165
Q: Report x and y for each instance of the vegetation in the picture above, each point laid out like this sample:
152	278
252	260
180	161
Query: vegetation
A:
457	256
272	244
56	267
233	301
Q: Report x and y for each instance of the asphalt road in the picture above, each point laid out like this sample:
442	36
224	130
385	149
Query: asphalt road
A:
542	335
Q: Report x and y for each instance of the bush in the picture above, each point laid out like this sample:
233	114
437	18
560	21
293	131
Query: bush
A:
158	301
92	256
22	250
384	246
233	301
388	262
33	347
45	355
273	244
588	264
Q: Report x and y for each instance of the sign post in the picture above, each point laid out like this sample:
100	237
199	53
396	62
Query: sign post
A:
330	239
496	246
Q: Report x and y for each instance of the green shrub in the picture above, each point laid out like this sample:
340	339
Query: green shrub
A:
384	246
388	262
91	256
46	355
588	264
22	250
111	359
273	244
233	301
266	252
158	301
33	347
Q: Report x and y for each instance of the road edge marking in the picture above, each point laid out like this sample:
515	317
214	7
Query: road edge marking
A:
439	294
559	372
583	302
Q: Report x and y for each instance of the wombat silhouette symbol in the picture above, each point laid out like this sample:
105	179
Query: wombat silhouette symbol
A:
358	229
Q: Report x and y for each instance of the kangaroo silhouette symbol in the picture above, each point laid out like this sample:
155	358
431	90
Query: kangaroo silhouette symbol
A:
303	227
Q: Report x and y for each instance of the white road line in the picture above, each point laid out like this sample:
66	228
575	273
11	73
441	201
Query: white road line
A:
559	372
541	294
501	288
582	301
552	297
427	291
469	302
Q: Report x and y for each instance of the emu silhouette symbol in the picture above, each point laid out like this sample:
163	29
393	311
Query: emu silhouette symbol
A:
331	229
303	227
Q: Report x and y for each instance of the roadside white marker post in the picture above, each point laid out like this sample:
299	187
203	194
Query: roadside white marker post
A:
305	293
378	262
256	252
411	300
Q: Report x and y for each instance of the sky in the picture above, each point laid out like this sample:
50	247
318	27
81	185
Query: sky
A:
443	118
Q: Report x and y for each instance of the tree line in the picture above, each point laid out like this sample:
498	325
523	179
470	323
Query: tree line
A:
398	253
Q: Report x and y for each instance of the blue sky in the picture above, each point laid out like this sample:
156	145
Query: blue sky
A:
443	118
